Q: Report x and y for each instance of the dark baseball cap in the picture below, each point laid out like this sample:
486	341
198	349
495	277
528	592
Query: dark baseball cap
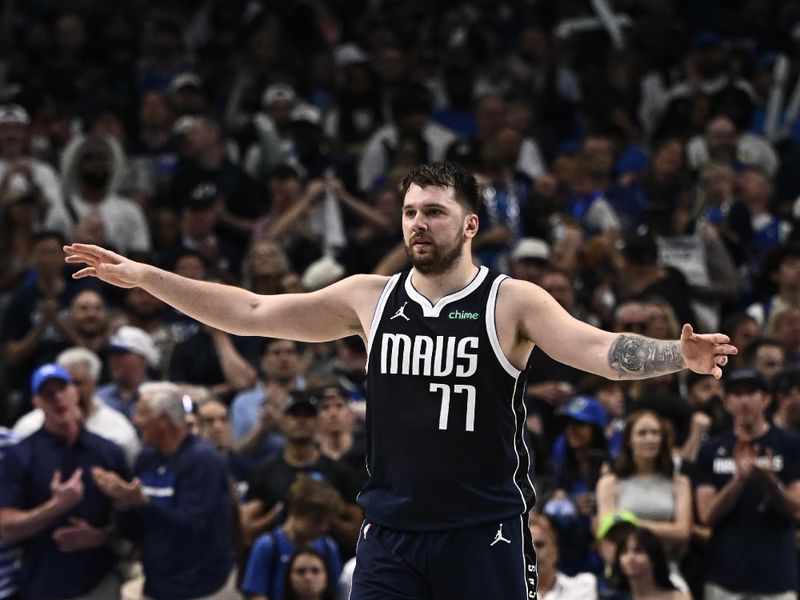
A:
301	403
786	381
746	378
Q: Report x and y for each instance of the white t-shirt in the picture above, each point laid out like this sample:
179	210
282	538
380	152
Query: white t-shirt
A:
124	222
581	587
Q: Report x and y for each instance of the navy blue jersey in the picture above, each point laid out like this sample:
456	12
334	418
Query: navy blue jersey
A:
445	412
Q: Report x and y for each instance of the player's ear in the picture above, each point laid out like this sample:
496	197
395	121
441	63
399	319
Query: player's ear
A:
472	224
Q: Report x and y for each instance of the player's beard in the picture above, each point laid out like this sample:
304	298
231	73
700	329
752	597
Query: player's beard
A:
438	259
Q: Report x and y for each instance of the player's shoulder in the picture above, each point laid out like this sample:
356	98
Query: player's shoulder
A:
518	292
359	283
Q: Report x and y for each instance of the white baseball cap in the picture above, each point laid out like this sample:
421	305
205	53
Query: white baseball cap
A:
132	339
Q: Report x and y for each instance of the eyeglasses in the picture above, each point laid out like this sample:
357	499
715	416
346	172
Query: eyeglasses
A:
304	570
633	325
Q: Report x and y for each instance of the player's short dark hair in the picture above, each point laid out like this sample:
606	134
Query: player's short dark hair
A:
445	175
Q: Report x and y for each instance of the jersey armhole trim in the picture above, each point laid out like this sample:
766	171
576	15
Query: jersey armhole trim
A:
379	308
491	328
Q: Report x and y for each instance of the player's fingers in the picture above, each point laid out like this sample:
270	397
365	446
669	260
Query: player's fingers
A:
722	361
725	349
716	372
85	272
687	331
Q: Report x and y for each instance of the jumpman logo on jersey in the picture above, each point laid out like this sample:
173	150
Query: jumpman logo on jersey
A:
401	313
498	537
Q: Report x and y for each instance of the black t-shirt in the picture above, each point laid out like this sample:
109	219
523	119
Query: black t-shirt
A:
270	482
751	549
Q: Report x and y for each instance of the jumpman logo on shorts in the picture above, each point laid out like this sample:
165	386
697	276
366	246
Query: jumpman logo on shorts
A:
498	537
401	313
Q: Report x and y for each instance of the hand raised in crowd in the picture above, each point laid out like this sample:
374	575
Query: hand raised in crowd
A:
69	493
106	265
706	352
700	424
124	494
78	535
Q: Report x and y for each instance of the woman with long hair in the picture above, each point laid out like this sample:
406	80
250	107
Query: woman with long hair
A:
643	481
307	577
641	568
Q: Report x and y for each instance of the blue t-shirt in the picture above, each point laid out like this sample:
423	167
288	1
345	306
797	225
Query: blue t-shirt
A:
25	476
266	567
9	553
752	549
186	529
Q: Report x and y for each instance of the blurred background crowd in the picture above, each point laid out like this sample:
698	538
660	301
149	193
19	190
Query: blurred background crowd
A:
639	160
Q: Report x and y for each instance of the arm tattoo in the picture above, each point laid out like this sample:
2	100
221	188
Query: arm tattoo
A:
636	356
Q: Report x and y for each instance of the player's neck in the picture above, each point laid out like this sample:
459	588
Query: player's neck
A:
436	286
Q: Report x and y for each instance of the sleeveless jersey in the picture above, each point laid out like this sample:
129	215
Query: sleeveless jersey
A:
445	412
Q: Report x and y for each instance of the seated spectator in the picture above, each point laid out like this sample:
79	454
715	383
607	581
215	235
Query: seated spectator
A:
131	355
255	412
200	214
50	504
579	456
84	366
271	481
747	490
704	394
93	211
723	142
780	278
553	584
265	267
16	160
312	505
643	481
35	323
786	392
89	321
530	257
766	355
180	499
611	531
10	554
641	568
410	111
308	577
204	161
337	437
215	426
784	326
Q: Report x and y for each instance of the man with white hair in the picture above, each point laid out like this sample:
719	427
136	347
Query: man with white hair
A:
84	367
131	353
179	504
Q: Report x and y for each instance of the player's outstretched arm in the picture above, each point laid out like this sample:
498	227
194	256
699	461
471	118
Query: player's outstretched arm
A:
612	355
334	312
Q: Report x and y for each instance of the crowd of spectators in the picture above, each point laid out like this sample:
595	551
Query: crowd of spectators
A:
638	160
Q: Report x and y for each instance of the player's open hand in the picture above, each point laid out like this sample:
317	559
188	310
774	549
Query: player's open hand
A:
705	353
106	265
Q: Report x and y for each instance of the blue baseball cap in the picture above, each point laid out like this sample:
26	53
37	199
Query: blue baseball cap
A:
47	372
584	409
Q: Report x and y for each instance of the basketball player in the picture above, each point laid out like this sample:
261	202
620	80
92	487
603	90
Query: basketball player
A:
448	344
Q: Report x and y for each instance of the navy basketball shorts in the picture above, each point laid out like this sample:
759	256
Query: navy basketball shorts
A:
493	561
